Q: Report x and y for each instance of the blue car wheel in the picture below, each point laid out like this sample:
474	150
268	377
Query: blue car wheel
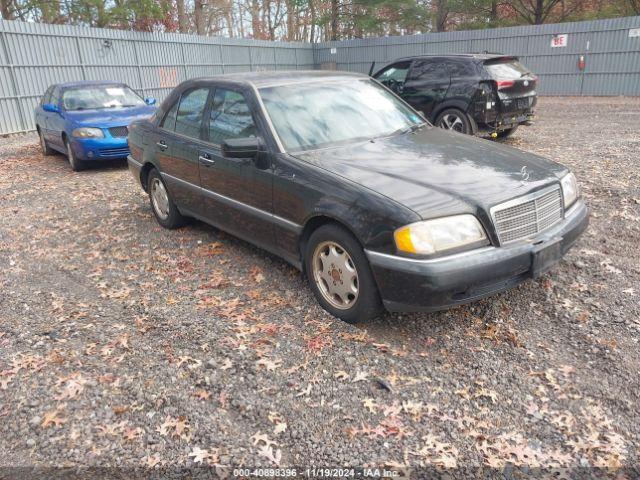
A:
46	149
76	164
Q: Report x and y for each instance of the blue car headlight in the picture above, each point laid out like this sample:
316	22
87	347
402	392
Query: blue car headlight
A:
88	132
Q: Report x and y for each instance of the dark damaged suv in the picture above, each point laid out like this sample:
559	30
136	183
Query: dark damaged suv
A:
478	94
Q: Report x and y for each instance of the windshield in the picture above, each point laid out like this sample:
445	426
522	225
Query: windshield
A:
506	69
102	96
317	114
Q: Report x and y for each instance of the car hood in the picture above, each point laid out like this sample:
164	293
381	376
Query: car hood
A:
436	172
110	117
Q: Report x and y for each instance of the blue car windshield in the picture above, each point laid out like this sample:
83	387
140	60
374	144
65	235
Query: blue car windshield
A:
99	97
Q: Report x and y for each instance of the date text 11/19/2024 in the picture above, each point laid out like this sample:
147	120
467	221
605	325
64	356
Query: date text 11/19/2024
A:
312	472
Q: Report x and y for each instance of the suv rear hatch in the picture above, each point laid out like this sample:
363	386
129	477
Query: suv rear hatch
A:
514	84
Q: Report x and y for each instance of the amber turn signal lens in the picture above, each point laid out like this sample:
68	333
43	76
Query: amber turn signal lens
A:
403	240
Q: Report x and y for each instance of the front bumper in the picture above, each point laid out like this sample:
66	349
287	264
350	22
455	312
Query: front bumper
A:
106	148
407	284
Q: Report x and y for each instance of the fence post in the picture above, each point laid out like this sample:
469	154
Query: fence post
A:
184	62
137	59
14	84
82	66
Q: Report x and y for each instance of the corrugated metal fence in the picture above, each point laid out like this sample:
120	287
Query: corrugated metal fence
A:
611	50
33	56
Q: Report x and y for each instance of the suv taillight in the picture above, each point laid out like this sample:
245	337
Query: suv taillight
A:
500	84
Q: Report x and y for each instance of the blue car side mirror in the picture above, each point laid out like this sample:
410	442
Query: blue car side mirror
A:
50	107
150	101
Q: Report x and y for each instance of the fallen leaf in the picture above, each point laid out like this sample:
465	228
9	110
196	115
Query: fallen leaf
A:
53	418
370	405
360	377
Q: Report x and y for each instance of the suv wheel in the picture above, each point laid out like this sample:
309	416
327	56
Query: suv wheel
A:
454	119
340	276
76	164
164	209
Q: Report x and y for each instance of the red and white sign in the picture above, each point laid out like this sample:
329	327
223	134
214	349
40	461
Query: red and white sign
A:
559	40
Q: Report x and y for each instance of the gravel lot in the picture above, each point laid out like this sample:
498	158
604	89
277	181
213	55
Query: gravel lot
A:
126	345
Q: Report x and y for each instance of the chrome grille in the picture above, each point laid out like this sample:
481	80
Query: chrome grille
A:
525	217
119	131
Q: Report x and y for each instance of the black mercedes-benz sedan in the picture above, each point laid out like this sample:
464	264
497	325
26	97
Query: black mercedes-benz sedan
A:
340	177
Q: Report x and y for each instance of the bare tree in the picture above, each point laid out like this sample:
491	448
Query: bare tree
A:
6	9
441	15
183	22
537	12
335	13
200	16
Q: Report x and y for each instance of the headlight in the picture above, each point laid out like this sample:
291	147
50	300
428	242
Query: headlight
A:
445	233
570	190
88	132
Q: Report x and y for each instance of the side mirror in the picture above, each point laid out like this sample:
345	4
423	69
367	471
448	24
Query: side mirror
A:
241	147
150	101
50	107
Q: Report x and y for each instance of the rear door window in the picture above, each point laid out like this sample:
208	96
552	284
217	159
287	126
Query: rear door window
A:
188	120
460	67
428	69
169	120
506	69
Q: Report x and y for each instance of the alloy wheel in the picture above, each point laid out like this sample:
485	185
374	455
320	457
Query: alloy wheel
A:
159	198
451	121
335	274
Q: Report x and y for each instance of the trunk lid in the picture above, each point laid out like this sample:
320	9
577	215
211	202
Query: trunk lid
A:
514	83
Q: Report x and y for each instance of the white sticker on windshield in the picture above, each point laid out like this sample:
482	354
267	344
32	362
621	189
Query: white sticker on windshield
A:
375	101
116	92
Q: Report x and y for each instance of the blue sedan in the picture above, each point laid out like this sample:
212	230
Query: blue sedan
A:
88	121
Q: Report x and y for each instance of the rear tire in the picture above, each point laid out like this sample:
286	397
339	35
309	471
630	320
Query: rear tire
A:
46	149
76	164
162	205
340	276
503	134
454	119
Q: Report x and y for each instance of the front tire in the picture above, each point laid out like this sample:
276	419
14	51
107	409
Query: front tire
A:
454	119
340	276
76	164
162	205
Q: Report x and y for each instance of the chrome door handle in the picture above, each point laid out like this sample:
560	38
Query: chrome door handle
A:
207	162
161	145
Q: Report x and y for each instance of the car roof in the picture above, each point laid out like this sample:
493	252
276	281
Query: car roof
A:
474	56
87	83
280	77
